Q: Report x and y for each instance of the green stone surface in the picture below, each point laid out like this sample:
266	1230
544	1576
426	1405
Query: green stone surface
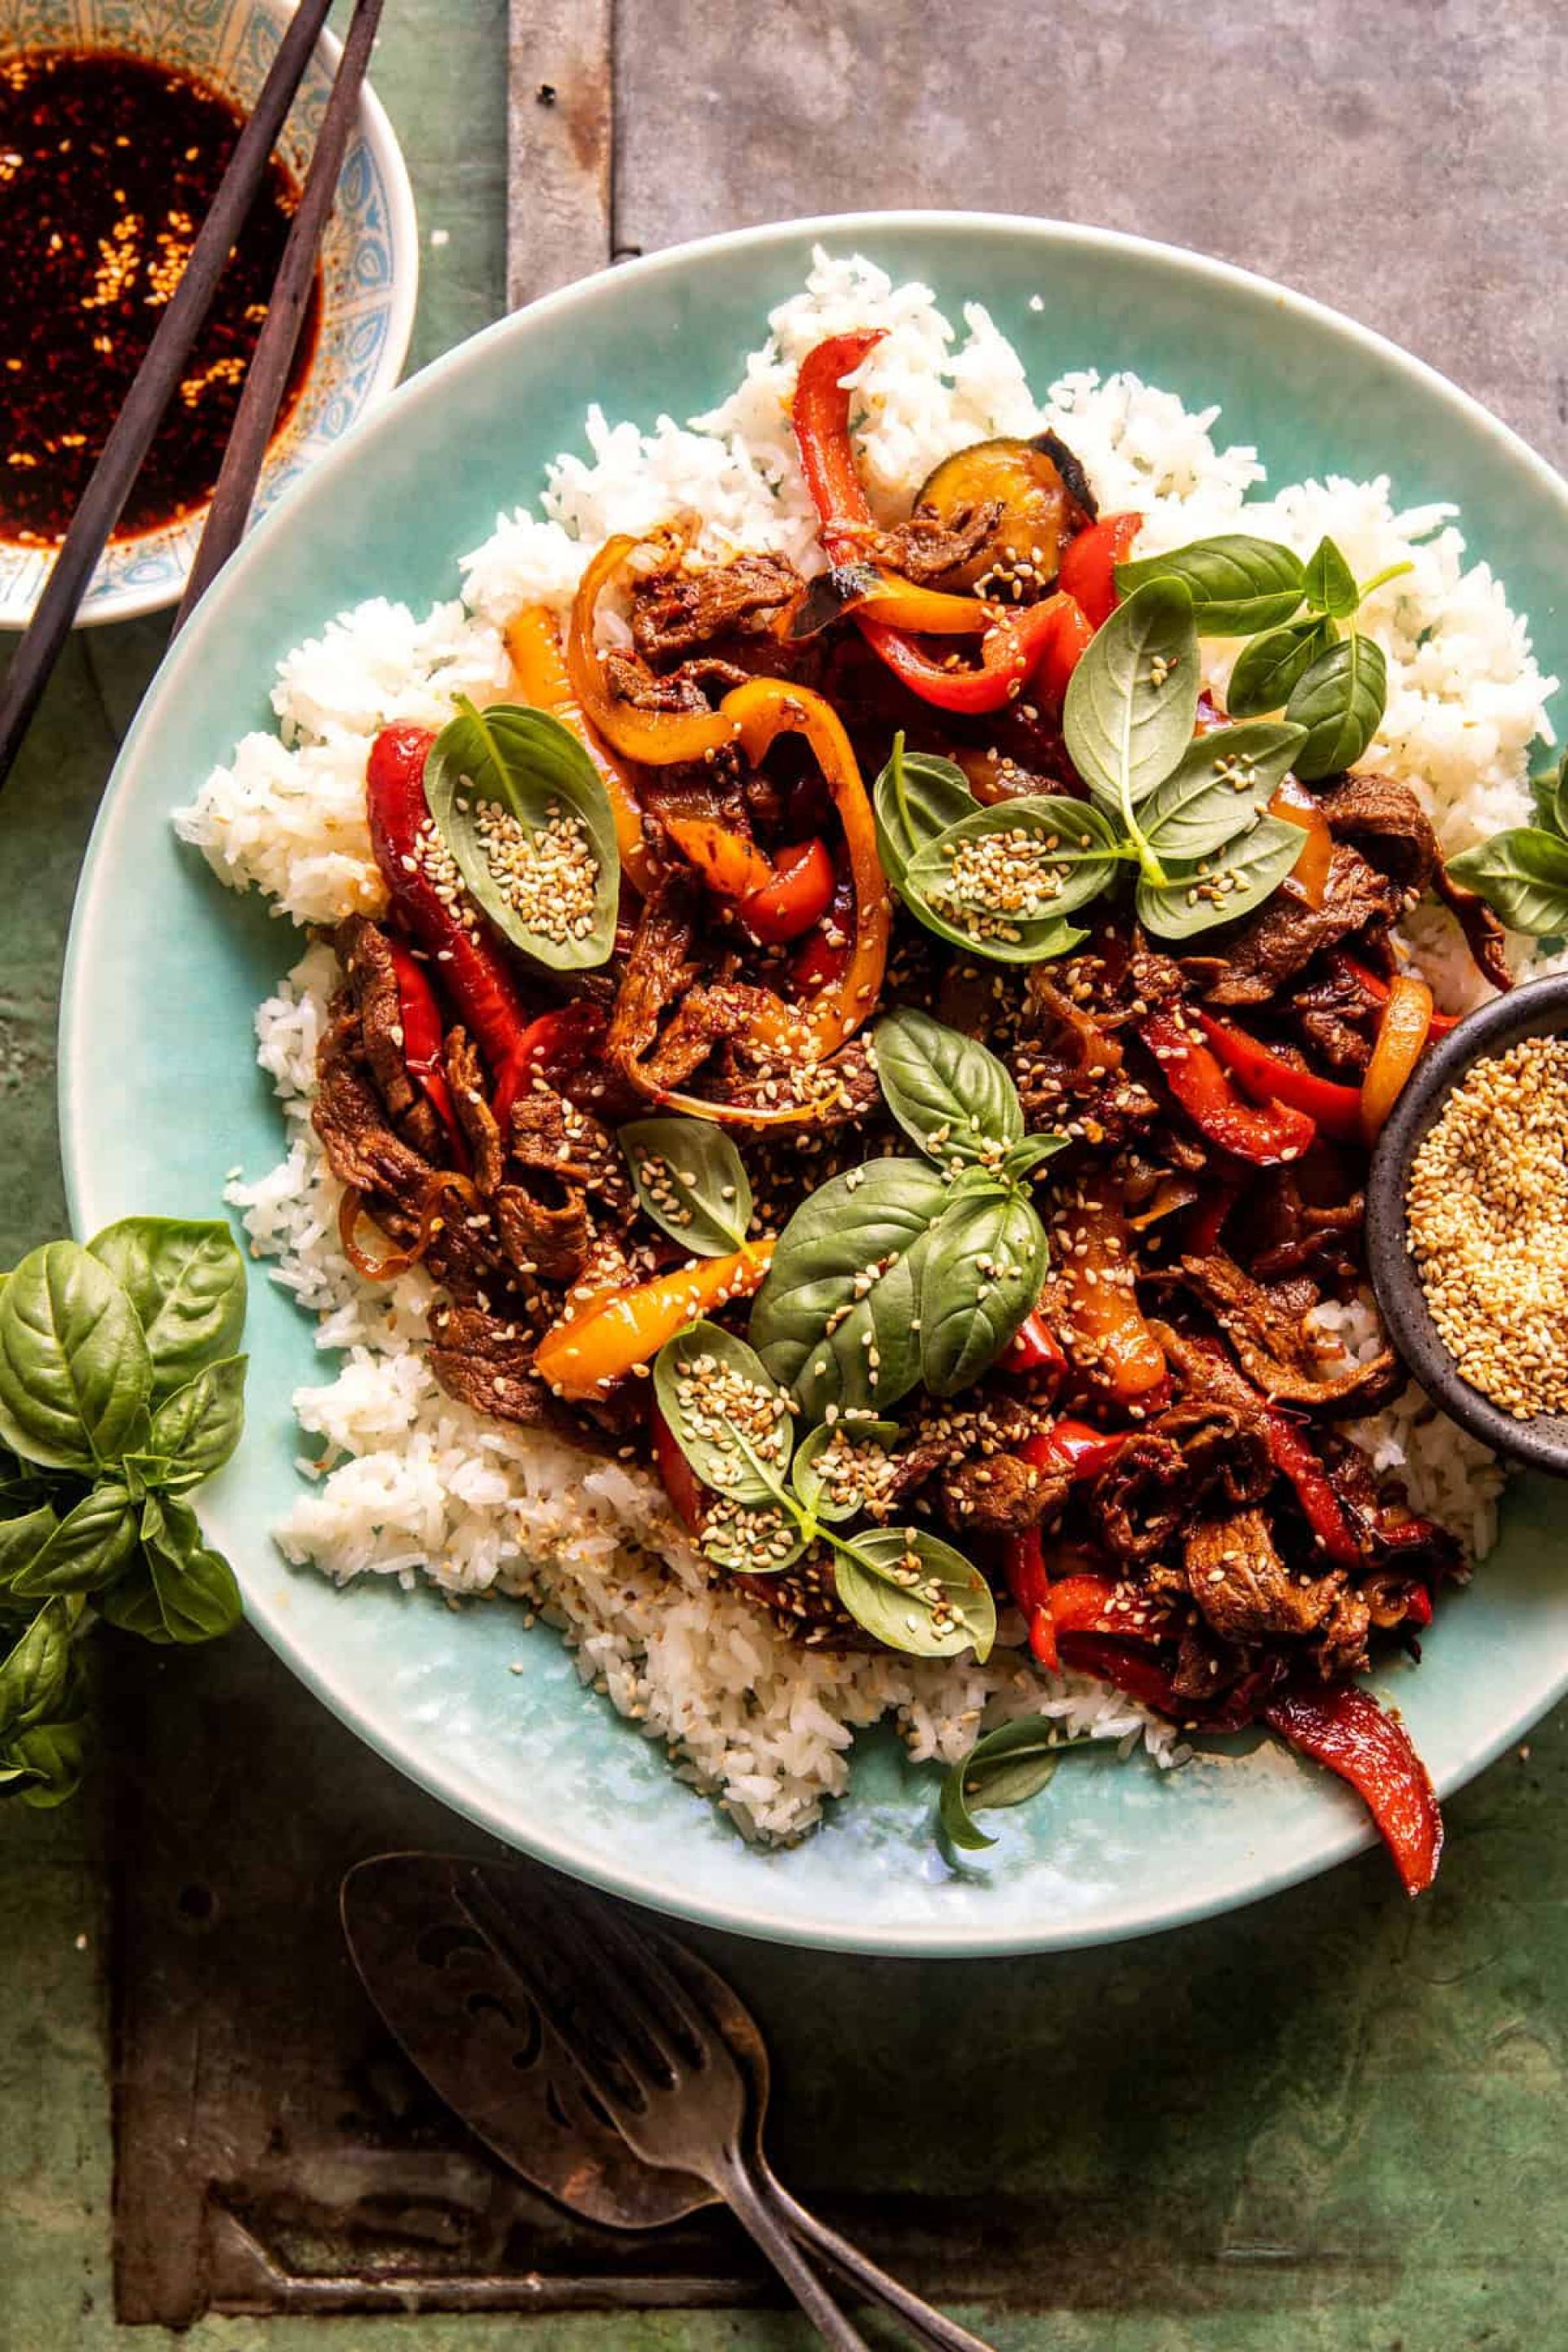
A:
1332	2123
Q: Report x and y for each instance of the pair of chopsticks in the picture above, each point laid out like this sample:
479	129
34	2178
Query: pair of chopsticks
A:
131	438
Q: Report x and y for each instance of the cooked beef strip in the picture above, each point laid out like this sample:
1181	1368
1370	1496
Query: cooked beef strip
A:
1484	935
555	1138
482	1359
1244	1589
1266	1329
1001	1496
925	548
1383	819
675	610
466	1077
1272	946
365	953
1336	1013
946	1436
1340	1650
658	971
1168	1470
629	680
550	1241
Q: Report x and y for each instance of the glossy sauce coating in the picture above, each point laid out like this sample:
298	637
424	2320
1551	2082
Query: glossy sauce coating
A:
108	166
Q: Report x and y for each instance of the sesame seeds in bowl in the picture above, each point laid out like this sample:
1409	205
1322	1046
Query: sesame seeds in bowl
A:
1467	1224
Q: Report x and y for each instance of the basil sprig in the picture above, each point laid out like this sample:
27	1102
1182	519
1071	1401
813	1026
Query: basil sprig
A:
1004	1767
924	810
1523	874
1188	813
119	1393
732	1422
512	784
910	1271
1335	689
690	1180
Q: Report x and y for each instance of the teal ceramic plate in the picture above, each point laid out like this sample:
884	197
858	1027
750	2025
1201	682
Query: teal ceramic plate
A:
160	1096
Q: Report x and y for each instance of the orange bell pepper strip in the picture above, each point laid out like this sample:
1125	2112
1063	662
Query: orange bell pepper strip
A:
1308	878
728	863
1402	1030
538	668
1103	1330
901	603
762	710
609	1334
658	738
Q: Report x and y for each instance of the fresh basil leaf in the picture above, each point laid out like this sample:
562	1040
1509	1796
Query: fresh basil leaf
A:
44	1764
1238	585
21	1538
691	1182
36	1675
1339	701
89	1547
917	797
1022	1158
1329	582
915	1593
952	1097
1134	698
75	1372
1219	787
834	1319
519	805
197	1428
1267	670
985	1263
1550	794
1004	876
1004	1767
1522	875
854	1451
724	1412
197	1596
186	1281
132	1606
751	1539
1196	895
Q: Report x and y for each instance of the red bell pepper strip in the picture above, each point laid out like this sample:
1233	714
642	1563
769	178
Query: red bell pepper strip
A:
1295	1458
1024	1566
419	1017
1263	1134
1347	1730
572	1032
1268	1078
1206	1220
470	970
681	1482
797	897
1034	1352
1073	1448
823	956
1133	1670
1088	572
1047	637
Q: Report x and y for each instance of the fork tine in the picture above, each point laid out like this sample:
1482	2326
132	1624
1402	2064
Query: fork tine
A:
491	1918
615	1976
640	1950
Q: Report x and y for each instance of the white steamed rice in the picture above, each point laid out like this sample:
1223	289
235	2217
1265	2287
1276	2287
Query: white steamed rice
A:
407	1483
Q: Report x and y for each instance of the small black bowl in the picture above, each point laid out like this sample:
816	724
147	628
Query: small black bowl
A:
1537	1010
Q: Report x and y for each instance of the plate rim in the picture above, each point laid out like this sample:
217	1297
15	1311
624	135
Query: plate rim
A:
1249	1880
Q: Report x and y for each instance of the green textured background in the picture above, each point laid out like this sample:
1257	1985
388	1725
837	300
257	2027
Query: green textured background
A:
1331	2125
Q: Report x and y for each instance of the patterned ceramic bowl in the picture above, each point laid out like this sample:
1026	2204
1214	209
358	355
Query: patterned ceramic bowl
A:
369	260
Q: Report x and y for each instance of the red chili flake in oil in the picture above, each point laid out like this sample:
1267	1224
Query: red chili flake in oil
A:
108	166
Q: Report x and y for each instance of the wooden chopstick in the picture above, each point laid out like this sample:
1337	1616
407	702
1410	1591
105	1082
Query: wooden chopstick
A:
274	354
112	479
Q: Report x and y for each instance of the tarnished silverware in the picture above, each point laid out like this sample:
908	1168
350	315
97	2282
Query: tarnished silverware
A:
468	1964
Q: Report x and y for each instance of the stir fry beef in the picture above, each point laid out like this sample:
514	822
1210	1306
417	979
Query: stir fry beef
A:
675	610
1271	1334
1271	947
1154	1454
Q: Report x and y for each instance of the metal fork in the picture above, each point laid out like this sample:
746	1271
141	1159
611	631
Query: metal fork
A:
675	2085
